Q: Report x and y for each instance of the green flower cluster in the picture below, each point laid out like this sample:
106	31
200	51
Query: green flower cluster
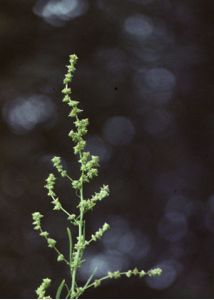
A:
57	204
41	290
56	160
37	226
100	232
88	170
128	274
135	272
81	130
154	272
37	216
142	273
114	275
90	203
103	193
51	243
50	184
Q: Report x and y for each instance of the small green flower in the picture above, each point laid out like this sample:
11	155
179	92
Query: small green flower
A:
117	274
66	91
72	103
68	78
71	217
154	272
37	216
129	273
79	146
57	204
66	99
60	257
44	234
97	283
135	271
142	273
51	243
74	112
76	184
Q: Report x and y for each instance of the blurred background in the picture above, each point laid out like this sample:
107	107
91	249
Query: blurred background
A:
145	80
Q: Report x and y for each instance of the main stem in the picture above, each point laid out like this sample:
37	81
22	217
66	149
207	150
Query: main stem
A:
80	236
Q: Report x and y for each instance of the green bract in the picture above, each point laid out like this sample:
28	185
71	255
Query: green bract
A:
88	170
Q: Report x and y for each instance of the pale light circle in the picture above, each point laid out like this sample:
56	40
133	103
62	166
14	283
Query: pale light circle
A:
170	269
119	130
160	79
138	26
23	114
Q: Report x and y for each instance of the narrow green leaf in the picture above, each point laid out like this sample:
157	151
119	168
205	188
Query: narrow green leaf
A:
59	290
90	278
70	243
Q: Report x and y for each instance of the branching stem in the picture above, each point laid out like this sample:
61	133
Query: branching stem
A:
88	170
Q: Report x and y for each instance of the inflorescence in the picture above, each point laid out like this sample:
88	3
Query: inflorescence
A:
88	170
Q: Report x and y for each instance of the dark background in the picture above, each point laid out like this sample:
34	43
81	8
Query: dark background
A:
145	80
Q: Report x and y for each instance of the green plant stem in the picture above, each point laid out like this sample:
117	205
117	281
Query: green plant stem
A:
88	170
57	251
70	244
102	279
69	178
73	282
80	236
62	208
78	254
70	254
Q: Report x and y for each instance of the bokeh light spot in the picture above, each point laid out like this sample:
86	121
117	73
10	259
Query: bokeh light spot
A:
155	85
57	12
158	121
118	130
170	272
23	114
173	226
102	263
139	26
160	79
97	146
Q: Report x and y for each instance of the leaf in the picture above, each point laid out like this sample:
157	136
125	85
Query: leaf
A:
59	290
70	243
90	278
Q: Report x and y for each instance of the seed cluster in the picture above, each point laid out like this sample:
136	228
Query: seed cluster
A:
88	165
